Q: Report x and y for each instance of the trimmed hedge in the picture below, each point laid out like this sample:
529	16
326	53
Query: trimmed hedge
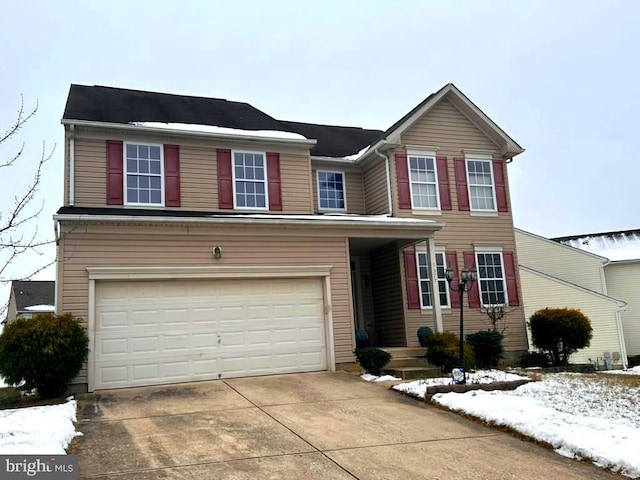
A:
559	332
443	350
487	346
46	352
372	359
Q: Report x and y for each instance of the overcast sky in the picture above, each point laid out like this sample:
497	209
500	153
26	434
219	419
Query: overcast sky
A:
562	78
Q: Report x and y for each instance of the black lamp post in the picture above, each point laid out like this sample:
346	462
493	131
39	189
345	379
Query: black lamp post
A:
467	277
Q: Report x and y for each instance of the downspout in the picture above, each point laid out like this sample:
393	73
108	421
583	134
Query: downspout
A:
56	284
72	164
388	173
623	345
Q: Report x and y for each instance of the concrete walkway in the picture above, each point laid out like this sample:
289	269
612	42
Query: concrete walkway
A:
306	426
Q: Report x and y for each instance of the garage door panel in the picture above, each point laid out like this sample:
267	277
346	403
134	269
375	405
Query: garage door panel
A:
183	330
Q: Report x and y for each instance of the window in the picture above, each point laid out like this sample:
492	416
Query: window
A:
144	185
331	191
249	180
491	278
425	283
423	181
481	187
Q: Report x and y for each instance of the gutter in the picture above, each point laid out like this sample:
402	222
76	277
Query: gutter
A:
419	226
172	131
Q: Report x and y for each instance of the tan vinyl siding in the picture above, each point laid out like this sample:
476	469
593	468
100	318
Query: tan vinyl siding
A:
622	283
186	246
198	174
566	263
375	188
353	185
541	292
387	296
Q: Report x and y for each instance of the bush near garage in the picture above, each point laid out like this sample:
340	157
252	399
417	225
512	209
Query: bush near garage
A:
45	352
487	347
443	350
560	332
372	359
535	359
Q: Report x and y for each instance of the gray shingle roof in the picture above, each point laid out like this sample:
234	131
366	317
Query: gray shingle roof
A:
28	293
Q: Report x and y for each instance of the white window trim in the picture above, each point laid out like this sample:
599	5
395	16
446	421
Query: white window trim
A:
266	180
424	154
344	190
124	169
439	250
496	250
481	158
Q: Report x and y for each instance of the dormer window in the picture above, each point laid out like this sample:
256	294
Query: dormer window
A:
143	176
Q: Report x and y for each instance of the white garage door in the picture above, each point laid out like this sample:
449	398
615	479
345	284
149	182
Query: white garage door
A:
155	332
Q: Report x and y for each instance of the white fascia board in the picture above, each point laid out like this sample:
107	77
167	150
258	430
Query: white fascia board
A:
424	226
341	160
190	133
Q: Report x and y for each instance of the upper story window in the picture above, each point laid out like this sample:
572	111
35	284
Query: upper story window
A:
480	180
143	176
249	180
491	279
331	191
424	281
423	181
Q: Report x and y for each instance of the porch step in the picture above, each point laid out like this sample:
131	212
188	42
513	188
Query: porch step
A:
397	362
414	373
405	352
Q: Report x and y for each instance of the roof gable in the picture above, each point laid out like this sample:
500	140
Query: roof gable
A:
28	293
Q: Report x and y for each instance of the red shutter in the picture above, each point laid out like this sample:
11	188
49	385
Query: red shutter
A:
510	275
115	177
273	176
461	183
225	179
474	293
411	277
443	183
452	262
172	175
402	174
501	189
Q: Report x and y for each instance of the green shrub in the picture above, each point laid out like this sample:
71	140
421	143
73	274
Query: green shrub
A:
534	359
10	397
559	332
633	361
423	333
443	350
45	352
487	347
373	360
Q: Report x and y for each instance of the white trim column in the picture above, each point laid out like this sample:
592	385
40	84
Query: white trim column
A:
435	288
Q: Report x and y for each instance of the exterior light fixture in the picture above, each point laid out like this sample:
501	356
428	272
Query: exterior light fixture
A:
467	277
217	253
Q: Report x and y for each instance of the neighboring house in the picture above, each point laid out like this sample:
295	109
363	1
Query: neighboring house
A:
559	276
622	274
202	239
30	297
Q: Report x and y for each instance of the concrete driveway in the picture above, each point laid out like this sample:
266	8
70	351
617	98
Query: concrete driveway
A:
306	426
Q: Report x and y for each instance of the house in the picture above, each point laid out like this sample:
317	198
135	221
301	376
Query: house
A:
622	272
561	276
201	238
30	297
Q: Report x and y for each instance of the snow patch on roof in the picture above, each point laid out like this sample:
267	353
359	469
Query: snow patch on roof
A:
356	156
220	130
619	246
40	308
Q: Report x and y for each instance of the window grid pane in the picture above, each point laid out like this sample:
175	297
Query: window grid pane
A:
425	282
331	190
480	185
143	174
250	188
424	188
491	278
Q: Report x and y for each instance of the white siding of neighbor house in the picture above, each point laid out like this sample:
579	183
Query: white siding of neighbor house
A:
560	261
622	282
539	291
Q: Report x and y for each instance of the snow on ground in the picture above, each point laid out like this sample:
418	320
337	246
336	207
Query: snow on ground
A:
384	378
581	416
220	130
37	430
419	387
629	371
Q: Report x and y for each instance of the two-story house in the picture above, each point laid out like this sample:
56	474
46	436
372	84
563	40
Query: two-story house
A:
202	239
